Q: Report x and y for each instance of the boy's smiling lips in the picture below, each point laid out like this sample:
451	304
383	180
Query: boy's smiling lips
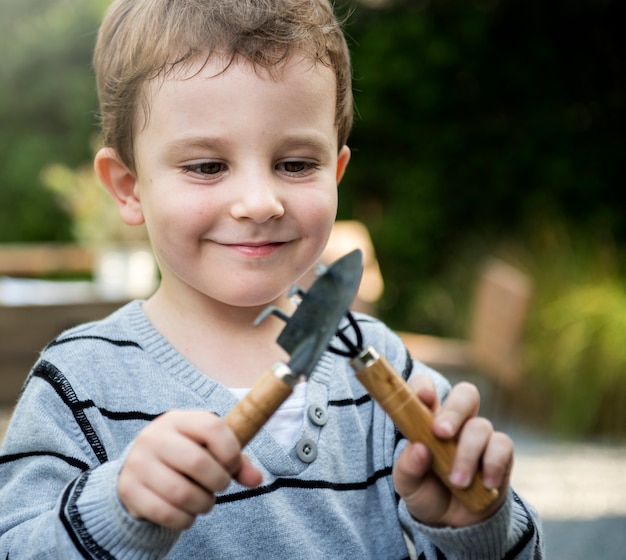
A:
255	249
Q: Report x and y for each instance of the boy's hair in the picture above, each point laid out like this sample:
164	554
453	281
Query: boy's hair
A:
140	40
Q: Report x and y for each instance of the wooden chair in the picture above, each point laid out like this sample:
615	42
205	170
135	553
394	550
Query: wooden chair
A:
494	348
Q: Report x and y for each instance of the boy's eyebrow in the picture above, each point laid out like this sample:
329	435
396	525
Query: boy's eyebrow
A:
178	145
202	142
316	141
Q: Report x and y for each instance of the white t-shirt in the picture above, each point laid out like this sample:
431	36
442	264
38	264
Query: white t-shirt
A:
285	424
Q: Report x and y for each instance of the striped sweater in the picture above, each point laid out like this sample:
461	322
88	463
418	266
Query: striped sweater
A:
97	385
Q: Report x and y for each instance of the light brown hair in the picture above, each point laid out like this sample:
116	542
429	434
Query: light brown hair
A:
141	40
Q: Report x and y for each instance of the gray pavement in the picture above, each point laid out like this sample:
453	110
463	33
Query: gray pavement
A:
579	489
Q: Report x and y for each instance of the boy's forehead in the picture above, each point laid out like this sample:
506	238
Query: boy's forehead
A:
299	82
218	65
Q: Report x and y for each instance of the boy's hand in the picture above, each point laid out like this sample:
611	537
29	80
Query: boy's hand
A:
177	464
479	446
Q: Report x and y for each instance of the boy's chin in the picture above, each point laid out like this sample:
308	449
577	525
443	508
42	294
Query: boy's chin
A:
255	299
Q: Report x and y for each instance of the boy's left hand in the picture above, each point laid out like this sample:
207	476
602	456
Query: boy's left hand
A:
479	446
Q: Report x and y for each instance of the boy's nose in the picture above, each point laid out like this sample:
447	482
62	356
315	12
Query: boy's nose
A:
258	201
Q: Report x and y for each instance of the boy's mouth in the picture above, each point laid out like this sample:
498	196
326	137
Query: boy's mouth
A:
256	249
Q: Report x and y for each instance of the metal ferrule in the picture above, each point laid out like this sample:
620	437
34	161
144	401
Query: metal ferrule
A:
366	358
283	372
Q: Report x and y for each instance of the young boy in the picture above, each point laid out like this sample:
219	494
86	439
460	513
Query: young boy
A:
225	126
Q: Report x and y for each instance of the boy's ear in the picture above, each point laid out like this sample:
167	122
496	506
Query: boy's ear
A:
342	162
121	183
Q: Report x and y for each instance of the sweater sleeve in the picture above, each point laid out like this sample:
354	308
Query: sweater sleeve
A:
514	531
58	487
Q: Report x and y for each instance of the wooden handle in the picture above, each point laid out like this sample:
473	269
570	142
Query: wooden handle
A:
250	413
414	420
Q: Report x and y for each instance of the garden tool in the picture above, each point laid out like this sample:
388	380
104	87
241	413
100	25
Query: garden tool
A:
410	415
305	337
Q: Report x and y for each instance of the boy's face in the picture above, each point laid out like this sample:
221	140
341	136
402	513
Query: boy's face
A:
237	178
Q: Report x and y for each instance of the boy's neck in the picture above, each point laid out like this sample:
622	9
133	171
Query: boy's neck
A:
219	340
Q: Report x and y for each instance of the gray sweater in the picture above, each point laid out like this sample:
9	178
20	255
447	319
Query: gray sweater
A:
330	496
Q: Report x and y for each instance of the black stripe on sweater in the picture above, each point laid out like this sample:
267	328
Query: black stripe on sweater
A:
66	522
527	535
63	388
121	343
76	405
73	523
408	367
69	460
303	485
351	402
128	415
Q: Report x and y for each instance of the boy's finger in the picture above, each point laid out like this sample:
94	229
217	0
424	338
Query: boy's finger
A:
144	505
248	475
423	493
219	439
461	404
412	466
473	441
200	465
181	492
498	461
211	432
160	511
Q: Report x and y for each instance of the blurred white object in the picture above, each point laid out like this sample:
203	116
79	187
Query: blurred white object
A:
28	291
125	273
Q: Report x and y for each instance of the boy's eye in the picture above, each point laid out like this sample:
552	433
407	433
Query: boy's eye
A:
297	167
205	168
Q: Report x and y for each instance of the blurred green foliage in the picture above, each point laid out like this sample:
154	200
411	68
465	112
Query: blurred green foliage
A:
474	118
47	108
579	339
575	356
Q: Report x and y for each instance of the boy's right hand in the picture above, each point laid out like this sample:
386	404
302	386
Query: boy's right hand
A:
177	464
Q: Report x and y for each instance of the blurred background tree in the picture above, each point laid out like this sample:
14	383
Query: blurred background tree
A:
47	108
481	119
483	127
